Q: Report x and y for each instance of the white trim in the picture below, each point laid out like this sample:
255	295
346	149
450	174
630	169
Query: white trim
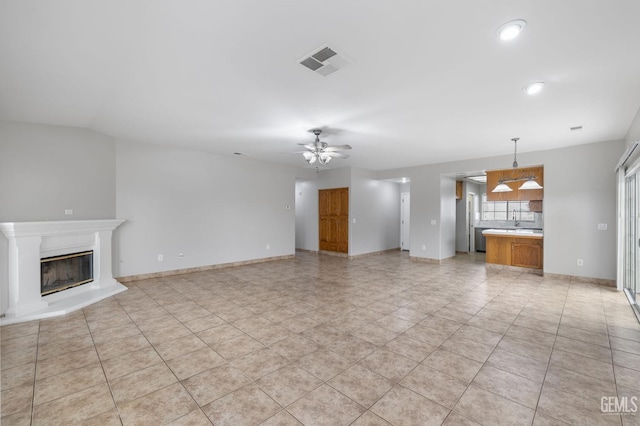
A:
628	153
620	215
622	173
28	242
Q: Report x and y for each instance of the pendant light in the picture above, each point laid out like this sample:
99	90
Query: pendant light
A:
502	187
530	182
515	152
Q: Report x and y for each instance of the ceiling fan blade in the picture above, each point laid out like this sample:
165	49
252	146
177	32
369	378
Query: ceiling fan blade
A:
309	146
336	154
337	148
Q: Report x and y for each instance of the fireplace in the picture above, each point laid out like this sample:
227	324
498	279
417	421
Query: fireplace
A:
40	259
59	273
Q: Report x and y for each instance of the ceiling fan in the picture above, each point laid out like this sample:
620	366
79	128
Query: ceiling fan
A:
320	153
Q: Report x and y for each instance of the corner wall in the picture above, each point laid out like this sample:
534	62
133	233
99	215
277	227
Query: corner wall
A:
375	206
45	170
634	130
212	209
307	215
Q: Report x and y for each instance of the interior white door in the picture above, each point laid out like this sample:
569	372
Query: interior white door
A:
471	236
405	208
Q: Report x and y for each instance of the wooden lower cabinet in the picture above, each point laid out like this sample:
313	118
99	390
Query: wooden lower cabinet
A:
524	252
526	255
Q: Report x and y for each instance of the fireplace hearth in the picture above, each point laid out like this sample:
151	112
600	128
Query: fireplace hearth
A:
59	273
31	288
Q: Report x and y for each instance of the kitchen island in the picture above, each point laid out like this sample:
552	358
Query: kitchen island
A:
519	248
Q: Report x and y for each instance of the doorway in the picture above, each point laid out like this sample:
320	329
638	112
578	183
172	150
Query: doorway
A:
471	236
333	219
632	238
405	221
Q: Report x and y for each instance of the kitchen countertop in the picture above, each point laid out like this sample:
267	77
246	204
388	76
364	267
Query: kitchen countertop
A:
524	233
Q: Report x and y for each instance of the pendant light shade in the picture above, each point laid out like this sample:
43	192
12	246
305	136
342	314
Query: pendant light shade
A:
502	187
530	181
530	184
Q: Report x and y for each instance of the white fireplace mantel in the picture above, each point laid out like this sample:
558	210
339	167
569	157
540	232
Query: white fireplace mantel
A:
28	242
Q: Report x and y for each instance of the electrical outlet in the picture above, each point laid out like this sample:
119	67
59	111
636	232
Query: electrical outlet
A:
602	227
160	258
424	247
268	246
580	262
433	221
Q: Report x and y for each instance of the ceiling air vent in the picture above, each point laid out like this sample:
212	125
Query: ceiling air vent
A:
324	61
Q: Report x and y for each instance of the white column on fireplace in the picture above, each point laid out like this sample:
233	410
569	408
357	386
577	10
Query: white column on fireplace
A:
28	242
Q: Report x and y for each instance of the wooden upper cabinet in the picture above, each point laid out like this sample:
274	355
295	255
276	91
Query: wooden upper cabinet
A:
494	176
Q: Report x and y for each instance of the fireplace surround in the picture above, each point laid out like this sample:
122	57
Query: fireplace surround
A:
28	243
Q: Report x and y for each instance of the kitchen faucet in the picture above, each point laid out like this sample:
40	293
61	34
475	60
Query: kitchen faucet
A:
516	222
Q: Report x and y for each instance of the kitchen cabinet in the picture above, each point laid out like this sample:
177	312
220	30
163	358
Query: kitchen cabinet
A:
535	206
525	251
526	254
458	190
494	176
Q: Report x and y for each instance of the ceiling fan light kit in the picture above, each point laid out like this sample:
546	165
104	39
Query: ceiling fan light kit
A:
320	153
534	88
511	29
530	181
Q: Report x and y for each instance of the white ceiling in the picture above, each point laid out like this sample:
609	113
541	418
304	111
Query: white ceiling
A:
430	80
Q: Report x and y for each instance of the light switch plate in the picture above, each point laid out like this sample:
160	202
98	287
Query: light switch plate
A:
433	221
602	227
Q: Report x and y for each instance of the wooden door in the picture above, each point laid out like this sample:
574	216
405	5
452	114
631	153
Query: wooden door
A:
334	219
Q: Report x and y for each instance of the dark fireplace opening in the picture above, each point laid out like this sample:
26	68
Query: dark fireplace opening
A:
59	273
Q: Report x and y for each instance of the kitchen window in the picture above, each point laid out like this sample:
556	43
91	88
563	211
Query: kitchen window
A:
506	210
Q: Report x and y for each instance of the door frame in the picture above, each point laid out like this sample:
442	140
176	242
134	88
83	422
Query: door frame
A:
405	215
335	223
471	209
628	277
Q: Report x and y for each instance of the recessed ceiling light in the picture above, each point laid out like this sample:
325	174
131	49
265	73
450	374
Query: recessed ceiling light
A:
511	29
533	88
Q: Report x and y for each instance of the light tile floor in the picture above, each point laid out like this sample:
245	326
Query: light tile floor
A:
321	340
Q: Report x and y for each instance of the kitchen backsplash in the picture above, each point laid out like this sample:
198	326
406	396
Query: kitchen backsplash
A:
537	223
